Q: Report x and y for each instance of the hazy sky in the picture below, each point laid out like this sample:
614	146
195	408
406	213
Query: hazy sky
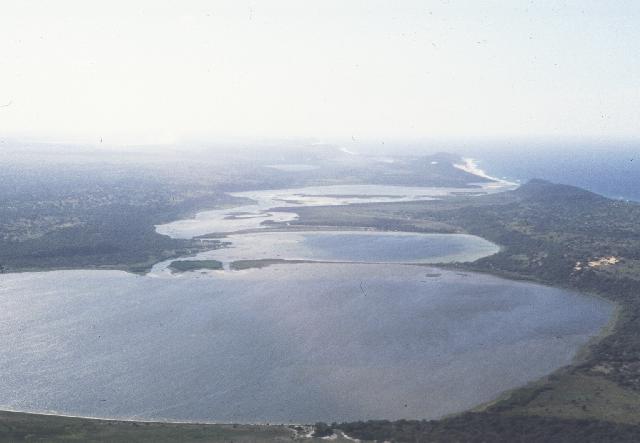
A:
157	71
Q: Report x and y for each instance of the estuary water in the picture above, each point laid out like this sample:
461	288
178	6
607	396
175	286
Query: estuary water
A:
290	342
287	343
347	246
258	212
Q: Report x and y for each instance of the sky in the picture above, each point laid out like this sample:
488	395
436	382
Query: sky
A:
153	71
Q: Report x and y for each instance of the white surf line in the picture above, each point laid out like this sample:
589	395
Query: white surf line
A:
132	419
347	151
471	166
344	435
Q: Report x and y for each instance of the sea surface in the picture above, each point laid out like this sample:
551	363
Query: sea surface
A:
612	170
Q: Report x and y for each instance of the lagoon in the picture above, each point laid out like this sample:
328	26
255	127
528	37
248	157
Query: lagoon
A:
287	343
347	246
364	330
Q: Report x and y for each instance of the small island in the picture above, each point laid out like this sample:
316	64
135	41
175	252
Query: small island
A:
195	265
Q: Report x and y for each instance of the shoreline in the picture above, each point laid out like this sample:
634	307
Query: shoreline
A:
133	420
581	355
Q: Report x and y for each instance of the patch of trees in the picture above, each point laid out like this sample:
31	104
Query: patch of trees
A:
322	429
493	428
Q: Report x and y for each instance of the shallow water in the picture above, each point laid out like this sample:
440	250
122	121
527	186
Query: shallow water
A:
349	246
254	215
288	343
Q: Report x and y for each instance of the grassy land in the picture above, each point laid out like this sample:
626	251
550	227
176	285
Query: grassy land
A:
112	236
100	213
194	265
16	427
240	265
33	427
581	396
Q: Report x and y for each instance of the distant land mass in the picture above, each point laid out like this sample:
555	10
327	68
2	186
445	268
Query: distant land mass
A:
610	169
101	215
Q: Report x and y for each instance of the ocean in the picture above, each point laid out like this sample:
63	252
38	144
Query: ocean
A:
613	171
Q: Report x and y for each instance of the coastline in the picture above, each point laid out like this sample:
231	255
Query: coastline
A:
581	355
531	388
133	420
